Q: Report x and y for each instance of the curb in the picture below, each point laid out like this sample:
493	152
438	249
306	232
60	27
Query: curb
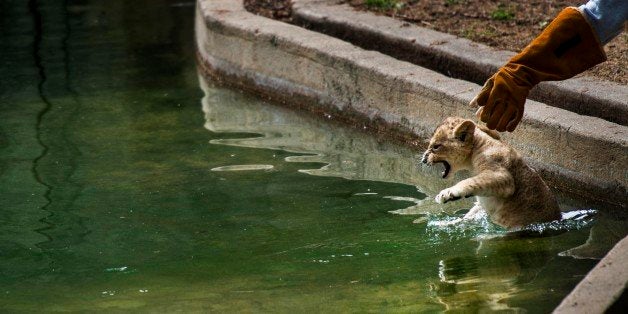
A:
602	286
455	57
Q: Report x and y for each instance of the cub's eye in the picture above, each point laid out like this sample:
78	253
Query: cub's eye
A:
436	146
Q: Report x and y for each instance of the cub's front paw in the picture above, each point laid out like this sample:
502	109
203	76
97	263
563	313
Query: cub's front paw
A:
447	195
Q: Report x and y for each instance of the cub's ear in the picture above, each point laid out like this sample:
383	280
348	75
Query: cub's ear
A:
464	130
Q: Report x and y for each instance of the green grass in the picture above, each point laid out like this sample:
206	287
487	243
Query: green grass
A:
502	14
382	4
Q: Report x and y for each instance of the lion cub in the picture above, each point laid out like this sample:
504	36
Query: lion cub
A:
512	194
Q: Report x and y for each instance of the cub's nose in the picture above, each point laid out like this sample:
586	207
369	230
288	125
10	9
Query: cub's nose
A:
424	159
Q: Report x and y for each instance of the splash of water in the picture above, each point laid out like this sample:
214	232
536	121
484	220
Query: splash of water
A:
443	225
456	227
572	220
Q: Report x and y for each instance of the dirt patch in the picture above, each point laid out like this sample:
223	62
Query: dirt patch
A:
508	25
274	9
504	24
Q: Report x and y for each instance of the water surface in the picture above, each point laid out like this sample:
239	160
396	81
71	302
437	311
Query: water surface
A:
128	182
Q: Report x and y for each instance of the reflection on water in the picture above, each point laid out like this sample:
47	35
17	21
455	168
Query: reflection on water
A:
605	233
346	153
491	276
243	168
503	260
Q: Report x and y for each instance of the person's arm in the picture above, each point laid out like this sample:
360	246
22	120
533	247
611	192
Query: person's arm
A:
607	17
569	45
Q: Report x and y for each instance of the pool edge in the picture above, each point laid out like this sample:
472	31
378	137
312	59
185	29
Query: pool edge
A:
602	286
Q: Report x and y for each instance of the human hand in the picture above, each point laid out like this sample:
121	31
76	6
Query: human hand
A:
566	47
501	100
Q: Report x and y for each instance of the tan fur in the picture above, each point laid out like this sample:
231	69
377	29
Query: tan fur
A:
512	194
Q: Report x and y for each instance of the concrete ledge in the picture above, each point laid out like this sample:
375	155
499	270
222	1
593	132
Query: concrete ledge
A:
329	76
602	285
456	57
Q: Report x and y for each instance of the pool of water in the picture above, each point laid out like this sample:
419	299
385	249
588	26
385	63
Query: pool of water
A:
128	182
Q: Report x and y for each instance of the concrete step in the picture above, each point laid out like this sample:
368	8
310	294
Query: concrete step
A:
455	57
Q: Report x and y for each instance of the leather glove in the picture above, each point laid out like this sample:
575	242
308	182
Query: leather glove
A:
566	47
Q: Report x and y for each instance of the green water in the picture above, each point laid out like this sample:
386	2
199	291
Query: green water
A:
129	183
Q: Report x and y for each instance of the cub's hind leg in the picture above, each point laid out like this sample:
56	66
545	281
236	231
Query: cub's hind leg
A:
476	212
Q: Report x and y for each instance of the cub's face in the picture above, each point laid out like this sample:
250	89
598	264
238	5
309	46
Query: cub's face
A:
451	145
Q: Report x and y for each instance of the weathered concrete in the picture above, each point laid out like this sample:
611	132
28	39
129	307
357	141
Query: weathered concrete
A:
455	57
602	285
327	75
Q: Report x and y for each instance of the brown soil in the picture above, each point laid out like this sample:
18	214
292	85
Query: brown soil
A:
274	9
504	24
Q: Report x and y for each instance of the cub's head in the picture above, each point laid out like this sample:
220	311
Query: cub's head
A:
451	144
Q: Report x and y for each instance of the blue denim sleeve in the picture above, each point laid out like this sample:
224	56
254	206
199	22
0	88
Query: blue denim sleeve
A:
606	16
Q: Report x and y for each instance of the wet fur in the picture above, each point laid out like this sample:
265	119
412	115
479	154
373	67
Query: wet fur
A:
512	194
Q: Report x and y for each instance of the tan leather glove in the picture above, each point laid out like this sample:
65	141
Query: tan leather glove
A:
566	47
